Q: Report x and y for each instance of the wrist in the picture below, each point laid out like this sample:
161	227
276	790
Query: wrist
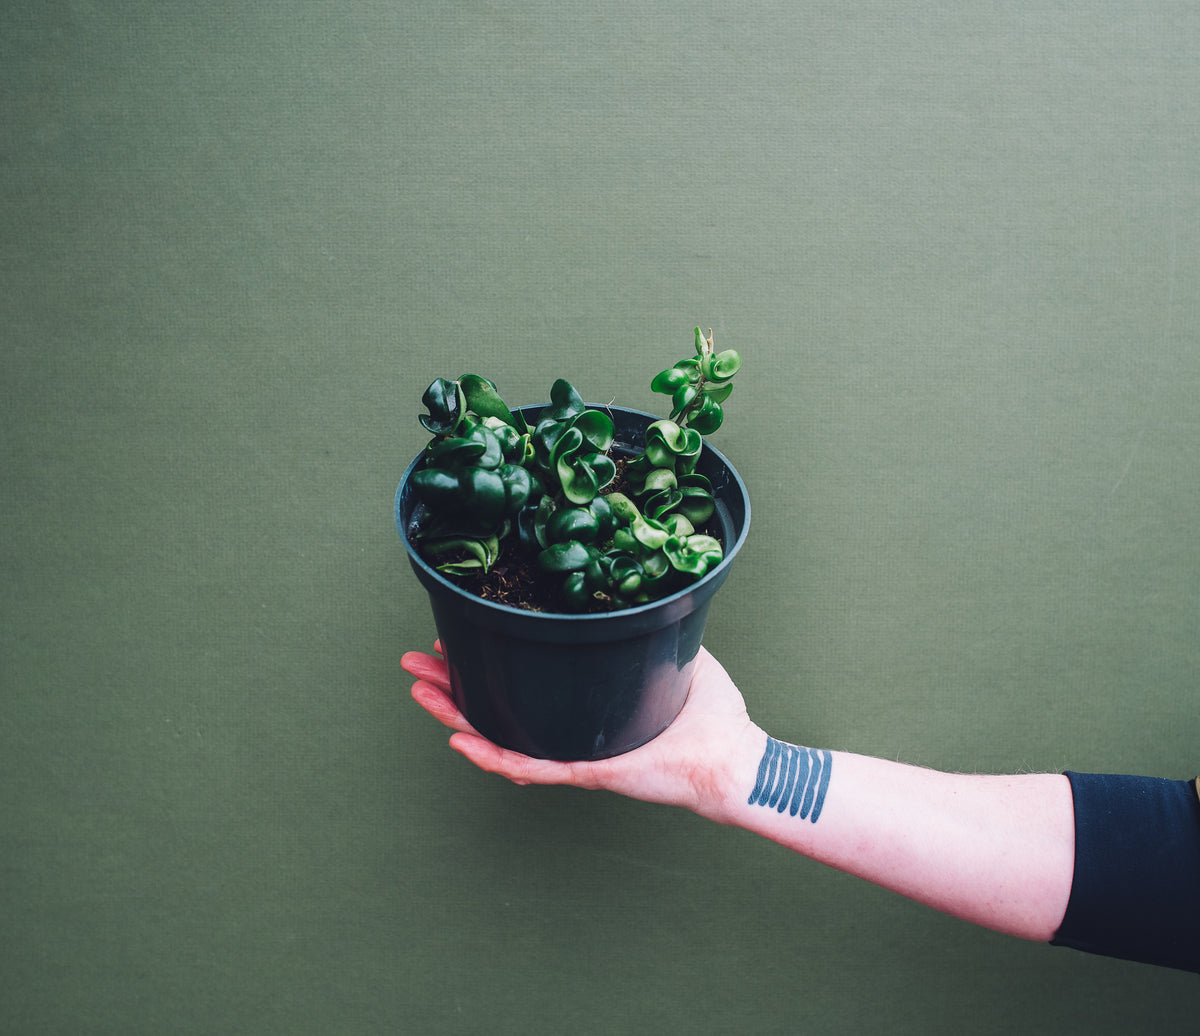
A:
724	801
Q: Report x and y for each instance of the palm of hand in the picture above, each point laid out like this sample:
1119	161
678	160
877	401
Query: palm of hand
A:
687	765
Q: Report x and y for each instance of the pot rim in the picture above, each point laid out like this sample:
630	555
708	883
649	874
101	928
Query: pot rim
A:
705	586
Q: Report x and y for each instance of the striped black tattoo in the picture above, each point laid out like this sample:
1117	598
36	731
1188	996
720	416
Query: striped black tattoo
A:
792	778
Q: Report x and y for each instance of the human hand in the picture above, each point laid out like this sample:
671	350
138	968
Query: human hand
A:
692	763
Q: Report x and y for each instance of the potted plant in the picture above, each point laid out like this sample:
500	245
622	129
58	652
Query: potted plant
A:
570	553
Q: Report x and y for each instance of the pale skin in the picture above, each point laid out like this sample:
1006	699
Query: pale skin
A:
997	851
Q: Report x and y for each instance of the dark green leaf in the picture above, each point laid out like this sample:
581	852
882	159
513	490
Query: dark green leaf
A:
565	402
513	443
527	531
626	576
624	509
596	427
444	401
724	365
437	488
668	381
693	555
683	398
649	533
482	398
576	591
623	539
659	504
578	480
573	523
708	418
518	486
485	497
606	520
696	506
659	479
482	553
655	566
545	437
545	511
564	557
678	524
457	451
603	466
567	444
718	393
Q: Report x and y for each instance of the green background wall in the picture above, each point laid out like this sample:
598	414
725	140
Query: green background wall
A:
958	245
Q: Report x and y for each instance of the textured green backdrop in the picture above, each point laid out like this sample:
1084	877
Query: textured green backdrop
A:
958	245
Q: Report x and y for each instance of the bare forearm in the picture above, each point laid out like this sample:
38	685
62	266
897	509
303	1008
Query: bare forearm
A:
1102	863
994	850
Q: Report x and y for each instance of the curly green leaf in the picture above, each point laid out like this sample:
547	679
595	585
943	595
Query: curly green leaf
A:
573	523
693	555
564	557
565	402
596	427
707	418
446	405
721	367
481	554
669	381
482	398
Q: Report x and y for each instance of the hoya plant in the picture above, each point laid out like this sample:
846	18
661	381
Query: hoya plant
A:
610	531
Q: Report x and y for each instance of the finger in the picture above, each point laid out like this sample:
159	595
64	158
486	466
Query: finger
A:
518	768
426	667
434	700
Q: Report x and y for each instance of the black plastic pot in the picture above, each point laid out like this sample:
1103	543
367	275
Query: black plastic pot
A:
563	686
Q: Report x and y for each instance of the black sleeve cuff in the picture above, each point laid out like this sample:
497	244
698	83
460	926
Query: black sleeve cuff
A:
1136	889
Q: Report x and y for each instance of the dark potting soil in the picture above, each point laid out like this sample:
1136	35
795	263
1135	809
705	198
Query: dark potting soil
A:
515	580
